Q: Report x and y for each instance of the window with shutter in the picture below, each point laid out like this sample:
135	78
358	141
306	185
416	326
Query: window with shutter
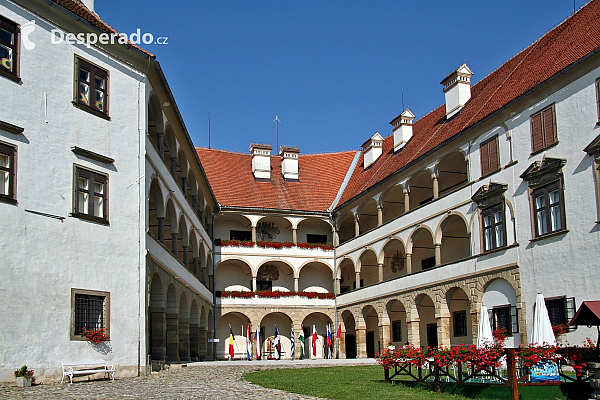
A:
490	161
543	129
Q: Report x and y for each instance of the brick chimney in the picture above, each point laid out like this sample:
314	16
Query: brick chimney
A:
261	161
289	162
402	128
457	87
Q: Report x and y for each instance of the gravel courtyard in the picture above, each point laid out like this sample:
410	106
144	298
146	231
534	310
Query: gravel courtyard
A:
208	380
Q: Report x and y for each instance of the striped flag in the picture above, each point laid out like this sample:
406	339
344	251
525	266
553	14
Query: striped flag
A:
293	349
329	341
231	351
257	341
314	341
301	339
277	344
248	343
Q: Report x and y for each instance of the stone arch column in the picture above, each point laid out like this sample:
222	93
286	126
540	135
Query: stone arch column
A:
442	318
413	324
361	335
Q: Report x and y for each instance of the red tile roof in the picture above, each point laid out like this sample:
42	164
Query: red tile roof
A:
575	38
79	9
230	176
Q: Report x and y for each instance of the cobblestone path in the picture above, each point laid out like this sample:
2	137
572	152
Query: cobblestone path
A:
215	381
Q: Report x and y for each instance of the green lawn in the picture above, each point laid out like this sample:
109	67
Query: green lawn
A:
366	382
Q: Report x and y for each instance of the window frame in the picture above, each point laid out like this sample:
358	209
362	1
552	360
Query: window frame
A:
14	28
512	327
485	155
93	69
397	329
463	331
105	311
545	190
78	171
11	152
491	210
548	139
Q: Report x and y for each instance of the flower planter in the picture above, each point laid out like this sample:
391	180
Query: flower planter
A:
23	382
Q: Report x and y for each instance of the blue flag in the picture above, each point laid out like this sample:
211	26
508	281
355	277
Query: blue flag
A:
293	350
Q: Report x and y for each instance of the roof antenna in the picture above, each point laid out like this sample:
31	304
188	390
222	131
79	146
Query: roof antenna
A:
209	130
573	6
277	121
403	100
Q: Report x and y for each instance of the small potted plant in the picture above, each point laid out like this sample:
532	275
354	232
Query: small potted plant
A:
95	336
24	376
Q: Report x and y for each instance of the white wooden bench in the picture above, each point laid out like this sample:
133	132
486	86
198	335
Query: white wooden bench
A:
87	368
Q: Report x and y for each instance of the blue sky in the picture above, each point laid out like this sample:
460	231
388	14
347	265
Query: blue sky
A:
333	71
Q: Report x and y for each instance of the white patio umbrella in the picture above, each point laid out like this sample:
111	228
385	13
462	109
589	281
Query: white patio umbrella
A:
542	328
484	330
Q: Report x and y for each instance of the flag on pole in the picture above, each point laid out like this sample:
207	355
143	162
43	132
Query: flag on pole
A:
293	349
329	341
301	339
248	343
314	341
231	352
257	340
276	344
339	332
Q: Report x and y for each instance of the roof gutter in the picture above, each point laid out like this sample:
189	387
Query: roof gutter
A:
475	125
279	210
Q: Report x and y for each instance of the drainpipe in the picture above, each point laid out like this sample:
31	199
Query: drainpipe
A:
335	315
214	292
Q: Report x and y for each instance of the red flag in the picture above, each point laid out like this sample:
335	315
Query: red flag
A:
339	332
231	352
314	341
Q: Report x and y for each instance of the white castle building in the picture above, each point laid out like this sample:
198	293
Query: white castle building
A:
114	219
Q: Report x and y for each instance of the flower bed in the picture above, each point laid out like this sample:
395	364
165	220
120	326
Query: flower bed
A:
489	356
273	245
239	294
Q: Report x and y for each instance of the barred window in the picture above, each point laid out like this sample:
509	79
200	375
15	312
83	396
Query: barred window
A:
90	311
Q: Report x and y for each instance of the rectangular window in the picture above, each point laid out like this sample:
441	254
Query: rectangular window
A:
543	129
490	160
9	46
505	317
428	263
548	209
91	195
557	310
240	235
494	229
397	331
7	173
460	323
91	86
311	238
90	310
501	318
264	285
